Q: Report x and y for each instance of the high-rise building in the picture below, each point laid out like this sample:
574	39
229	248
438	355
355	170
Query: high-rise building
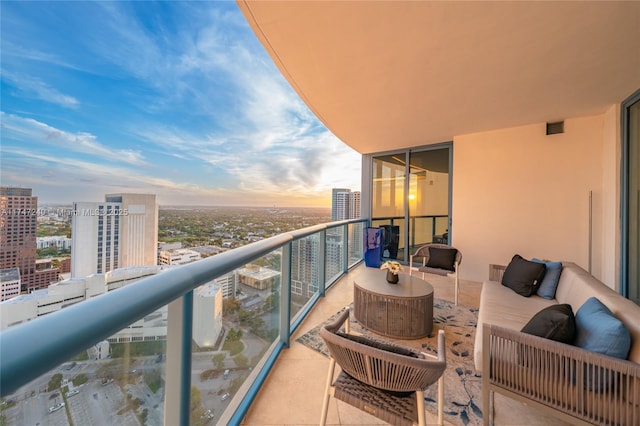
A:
345	204
18	222
122	231
304	266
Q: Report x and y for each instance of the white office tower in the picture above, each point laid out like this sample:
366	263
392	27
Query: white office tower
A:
207	314
345	204
122	231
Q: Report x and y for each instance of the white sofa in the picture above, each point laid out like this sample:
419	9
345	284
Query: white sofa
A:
546	386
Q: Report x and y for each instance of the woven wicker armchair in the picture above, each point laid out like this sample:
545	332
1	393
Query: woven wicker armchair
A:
423	253
381	378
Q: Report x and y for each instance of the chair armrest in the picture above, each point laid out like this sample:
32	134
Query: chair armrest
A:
339	321
567	378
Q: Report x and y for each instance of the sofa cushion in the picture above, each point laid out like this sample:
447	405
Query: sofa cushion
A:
555	322
549	283
598	330
502	306
523	276
442	258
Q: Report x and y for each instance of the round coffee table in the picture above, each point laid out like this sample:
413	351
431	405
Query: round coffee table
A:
403	310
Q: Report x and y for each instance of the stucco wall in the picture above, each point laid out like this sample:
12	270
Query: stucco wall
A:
518	190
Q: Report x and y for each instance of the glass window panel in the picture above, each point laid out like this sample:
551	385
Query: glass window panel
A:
305	277
334	254
428	196
235	321
117	381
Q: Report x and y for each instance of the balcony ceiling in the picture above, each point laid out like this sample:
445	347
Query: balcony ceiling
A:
383	75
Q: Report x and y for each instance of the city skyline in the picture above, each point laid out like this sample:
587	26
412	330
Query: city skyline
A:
176	99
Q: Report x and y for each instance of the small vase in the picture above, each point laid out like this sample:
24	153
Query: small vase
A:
392	278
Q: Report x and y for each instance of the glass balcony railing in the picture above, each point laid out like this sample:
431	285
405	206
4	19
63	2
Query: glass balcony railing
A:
190	345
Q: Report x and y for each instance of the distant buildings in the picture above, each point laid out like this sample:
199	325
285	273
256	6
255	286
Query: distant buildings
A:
65	293
345	204
18	218
305	255
10	283
258	277
178	256
207	307
60	242
120	232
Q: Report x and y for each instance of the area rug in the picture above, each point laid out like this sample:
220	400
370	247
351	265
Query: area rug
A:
463	385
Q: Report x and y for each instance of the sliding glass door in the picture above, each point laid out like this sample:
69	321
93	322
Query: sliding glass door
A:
631	199
411	199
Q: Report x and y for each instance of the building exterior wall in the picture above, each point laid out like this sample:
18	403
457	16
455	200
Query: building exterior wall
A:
117	233
18	218
139	229
178	256
84	240
65	293
10	282
258	277
227	284
207	314
345	204
518	190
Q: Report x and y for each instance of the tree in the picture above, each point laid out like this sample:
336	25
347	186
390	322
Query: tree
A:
234	334
230	306
241	361
257	325
55	382
196	398
218	360
245	316
80	379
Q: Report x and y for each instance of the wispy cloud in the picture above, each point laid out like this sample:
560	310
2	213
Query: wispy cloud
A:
36	88
28	129
184	87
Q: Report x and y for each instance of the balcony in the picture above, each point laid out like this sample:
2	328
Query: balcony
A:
253	394
182	382
516	188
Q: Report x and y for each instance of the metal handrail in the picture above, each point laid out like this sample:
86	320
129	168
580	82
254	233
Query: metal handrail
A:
31	349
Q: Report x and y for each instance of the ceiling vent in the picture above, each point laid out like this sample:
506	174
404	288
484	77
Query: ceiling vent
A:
555	128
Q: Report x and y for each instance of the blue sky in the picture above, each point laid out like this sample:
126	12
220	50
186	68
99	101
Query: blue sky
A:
173	98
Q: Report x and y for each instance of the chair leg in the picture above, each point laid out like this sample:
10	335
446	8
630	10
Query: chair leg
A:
441	400
457	289
327	392
420	400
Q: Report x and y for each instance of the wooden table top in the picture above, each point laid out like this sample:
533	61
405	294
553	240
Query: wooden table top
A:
373	280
